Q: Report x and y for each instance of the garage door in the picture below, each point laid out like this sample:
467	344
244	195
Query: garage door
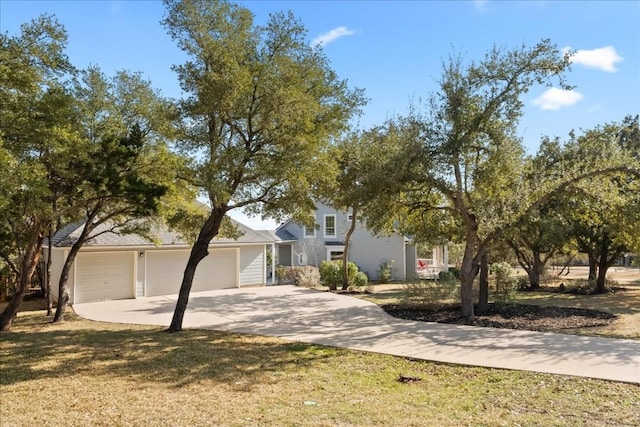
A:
166	268
104	276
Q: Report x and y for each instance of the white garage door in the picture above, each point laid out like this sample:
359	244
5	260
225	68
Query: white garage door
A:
104	276
165	270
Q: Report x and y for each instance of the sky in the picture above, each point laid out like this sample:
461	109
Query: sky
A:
394	50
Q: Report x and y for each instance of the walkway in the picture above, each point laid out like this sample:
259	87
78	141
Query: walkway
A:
305	315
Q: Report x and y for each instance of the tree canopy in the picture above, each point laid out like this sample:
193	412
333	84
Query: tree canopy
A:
261	109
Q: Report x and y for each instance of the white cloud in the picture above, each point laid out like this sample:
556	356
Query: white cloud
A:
554	99
332	35
603	58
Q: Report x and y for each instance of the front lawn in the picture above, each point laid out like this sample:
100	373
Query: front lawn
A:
87	373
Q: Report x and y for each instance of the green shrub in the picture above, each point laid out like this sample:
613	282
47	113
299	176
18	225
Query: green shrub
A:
385	271
360	280
429	294
506	284
455	272
446	276
331	273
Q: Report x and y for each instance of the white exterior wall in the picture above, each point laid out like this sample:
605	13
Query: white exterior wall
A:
58	256
252	265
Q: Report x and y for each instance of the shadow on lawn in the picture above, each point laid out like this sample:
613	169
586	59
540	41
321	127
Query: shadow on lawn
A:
38	349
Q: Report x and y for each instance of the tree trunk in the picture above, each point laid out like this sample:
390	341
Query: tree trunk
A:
483	297
536	271
28	265
199	251
468	272
345	255
63	288
593	265
603	264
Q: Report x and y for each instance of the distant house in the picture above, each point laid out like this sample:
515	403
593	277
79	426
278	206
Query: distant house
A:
298	245
113	266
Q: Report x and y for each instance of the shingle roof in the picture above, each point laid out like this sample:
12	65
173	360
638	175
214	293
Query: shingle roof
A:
68	235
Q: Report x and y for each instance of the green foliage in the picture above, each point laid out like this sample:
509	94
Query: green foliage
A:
385	270
262	106
505	284
360	280
446	276
455	272
331	273
429	294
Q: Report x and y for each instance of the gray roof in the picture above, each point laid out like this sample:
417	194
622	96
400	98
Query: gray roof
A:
69	234
284	235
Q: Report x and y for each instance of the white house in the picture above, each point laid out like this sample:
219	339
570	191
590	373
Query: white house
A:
299	245
113	266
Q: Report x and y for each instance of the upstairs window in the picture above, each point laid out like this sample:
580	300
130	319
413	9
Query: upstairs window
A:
310	231
329	226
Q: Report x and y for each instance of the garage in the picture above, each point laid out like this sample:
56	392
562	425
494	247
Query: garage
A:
165	268
104	276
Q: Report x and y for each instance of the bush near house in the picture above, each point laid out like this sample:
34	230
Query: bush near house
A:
385	270
331	273
307	276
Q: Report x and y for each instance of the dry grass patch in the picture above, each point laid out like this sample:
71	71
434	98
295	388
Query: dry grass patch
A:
87	373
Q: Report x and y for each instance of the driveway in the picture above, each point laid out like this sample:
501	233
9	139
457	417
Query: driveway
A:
300	314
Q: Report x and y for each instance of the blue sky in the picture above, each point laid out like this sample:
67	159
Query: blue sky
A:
392	49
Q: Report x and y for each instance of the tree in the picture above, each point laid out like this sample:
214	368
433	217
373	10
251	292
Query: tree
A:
262	107
121	169
468	157
354	188
603	213
35	130
464	158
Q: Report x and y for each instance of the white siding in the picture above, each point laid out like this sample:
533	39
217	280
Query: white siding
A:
252	261
58	257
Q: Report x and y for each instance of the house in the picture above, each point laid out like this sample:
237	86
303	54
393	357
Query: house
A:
298	245
113	266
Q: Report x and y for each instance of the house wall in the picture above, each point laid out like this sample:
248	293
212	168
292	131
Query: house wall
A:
58	256
252	264
366	250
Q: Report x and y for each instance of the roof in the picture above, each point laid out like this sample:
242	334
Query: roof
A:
69	234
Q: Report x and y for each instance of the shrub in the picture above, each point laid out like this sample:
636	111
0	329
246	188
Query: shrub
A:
360	280
385	271
506	284
446	276
331	273
455	272
307	276
428	293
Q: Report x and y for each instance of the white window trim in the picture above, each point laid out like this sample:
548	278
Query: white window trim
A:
333	249
324	226
308	236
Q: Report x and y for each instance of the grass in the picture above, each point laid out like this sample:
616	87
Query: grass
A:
88	373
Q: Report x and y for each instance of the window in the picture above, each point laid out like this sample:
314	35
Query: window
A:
310	231
334	253
350	217
329	226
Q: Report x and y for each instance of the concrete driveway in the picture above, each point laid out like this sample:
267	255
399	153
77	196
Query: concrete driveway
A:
300	314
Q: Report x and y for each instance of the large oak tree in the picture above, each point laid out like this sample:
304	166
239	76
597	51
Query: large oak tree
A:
261	107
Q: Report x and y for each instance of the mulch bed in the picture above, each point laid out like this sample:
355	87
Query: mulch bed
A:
515	316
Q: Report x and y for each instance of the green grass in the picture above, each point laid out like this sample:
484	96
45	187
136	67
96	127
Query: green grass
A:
89	373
